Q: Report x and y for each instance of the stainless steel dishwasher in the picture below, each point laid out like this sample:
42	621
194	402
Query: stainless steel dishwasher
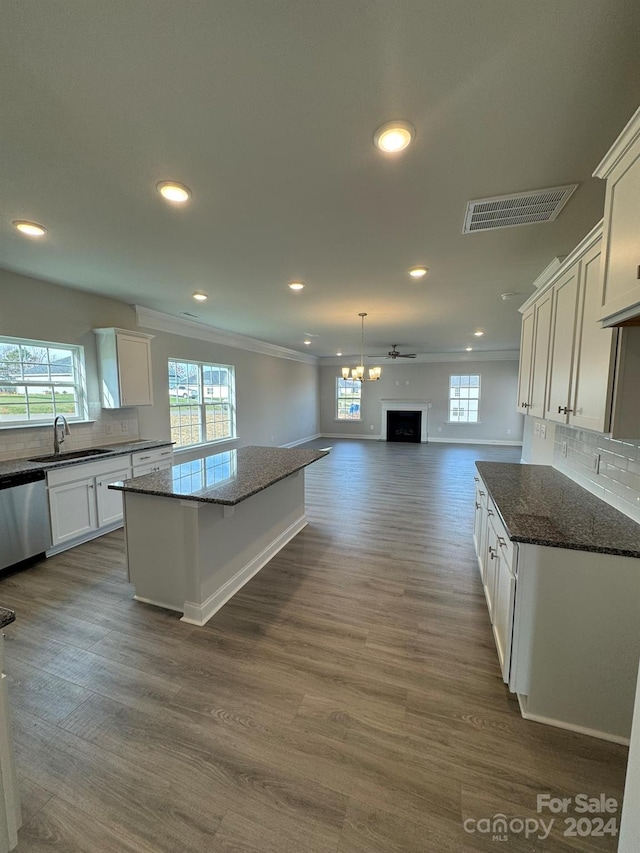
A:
24	517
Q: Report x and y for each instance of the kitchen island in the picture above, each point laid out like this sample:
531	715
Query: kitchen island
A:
197	532
10	817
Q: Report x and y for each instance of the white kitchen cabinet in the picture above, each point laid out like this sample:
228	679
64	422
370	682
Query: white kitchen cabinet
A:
80	503
589	372
525	367
149	461
73	510
620	279
565	627
124	361
480	525
10	816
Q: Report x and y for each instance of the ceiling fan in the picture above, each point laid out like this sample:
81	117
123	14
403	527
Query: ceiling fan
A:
393	353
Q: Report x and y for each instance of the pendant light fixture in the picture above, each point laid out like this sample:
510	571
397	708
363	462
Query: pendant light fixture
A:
357	373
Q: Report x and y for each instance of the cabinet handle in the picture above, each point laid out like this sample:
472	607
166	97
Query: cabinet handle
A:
99	483
142	458
489	512
559	410
502	542
476	479
482	493
477	505
564	410
525	405
90	485
492	552
638	272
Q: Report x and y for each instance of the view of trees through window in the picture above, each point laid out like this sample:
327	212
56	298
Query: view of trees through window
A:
39	380
201	402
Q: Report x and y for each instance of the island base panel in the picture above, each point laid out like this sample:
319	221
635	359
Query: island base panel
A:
192	557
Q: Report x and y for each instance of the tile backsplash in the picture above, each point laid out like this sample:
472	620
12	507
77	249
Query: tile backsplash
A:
618	479
105	427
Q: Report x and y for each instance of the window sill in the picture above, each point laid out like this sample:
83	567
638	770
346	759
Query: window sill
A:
347	420
206	445
43	425
463	423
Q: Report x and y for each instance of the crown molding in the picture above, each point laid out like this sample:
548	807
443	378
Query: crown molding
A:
426	358
150	319
623	143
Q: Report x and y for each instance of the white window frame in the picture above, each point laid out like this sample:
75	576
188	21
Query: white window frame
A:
346	418
474	393
76	380
194	385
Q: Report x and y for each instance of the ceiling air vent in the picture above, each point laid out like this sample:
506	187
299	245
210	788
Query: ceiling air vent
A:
486	214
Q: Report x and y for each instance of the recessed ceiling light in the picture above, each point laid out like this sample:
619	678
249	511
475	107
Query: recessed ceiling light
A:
32	229
338	353
394	136
296	285
200	297
479	333
469	349
418	272
174	192
308	343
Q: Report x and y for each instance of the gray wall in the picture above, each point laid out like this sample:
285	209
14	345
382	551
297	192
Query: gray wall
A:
277	398
430	382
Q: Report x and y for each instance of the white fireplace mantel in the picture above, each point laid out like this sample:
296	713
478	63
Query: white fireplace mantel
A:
406	406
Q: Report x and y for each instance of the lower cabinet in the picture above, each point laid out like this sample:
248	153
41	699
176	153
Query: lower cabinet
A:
80	503
10	819
565	625
82	506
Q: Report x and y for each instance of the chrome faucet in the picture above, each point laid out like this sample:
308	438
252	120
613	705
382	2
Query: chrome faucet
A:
58	437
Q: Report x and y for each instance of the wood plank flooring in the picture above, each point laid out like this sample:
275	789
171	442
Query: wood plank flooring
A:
347	700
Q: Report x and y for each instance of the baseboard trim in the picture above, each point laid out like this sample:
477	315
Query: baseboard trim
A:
157	603
199	614
302	440
343	435
72	543
570	727
507	443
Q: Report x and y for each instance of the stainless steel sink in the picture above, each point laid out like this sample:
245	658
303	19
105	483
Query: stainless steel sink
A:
72	454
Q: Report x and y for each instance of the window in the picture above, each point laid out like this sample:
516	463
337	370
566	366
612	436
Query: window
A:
202	402
39	380
348	392
464	398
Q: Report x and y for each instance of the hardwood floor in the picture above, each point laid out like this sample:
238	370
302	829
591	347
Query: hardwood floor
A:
347	700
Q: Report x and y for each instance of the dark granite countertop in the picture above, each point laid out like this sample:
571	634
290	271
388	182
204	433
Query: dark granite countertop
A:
16	466
6	617
541	506
224	478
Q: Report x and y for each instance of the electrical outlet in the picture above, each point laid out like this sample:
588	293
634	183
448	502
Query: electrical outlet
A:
439	429
125	426
543	430
536	428
429	405
108	428
596	462
371	426
272	438
564	449
508	430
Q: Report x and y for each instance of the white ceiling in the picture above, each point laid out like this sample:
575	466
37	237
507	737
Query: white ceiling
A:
267	109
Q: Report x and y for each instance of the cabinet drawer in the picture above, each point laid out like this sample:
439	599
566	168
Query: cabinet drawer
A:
71	473
150	457
507	547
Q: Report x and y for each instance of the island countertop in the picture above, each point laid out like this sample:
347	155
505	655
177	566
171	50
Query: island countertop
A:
540	506
223	478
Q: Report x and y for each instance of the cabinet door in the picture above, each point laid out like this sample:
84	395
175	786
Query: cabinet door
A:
540	363
73	510
594	361
10	819
134	370
621	273
565	301
504	605
108	501
491	563
479	524
526	361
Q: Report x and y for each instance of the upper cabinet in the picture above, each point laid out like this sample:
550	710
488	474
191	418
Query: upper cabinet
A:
579	373
124	361
620	281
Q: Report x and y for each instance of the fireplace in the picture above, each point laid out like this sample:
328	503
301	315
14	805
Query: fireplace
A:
404	407
404	425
